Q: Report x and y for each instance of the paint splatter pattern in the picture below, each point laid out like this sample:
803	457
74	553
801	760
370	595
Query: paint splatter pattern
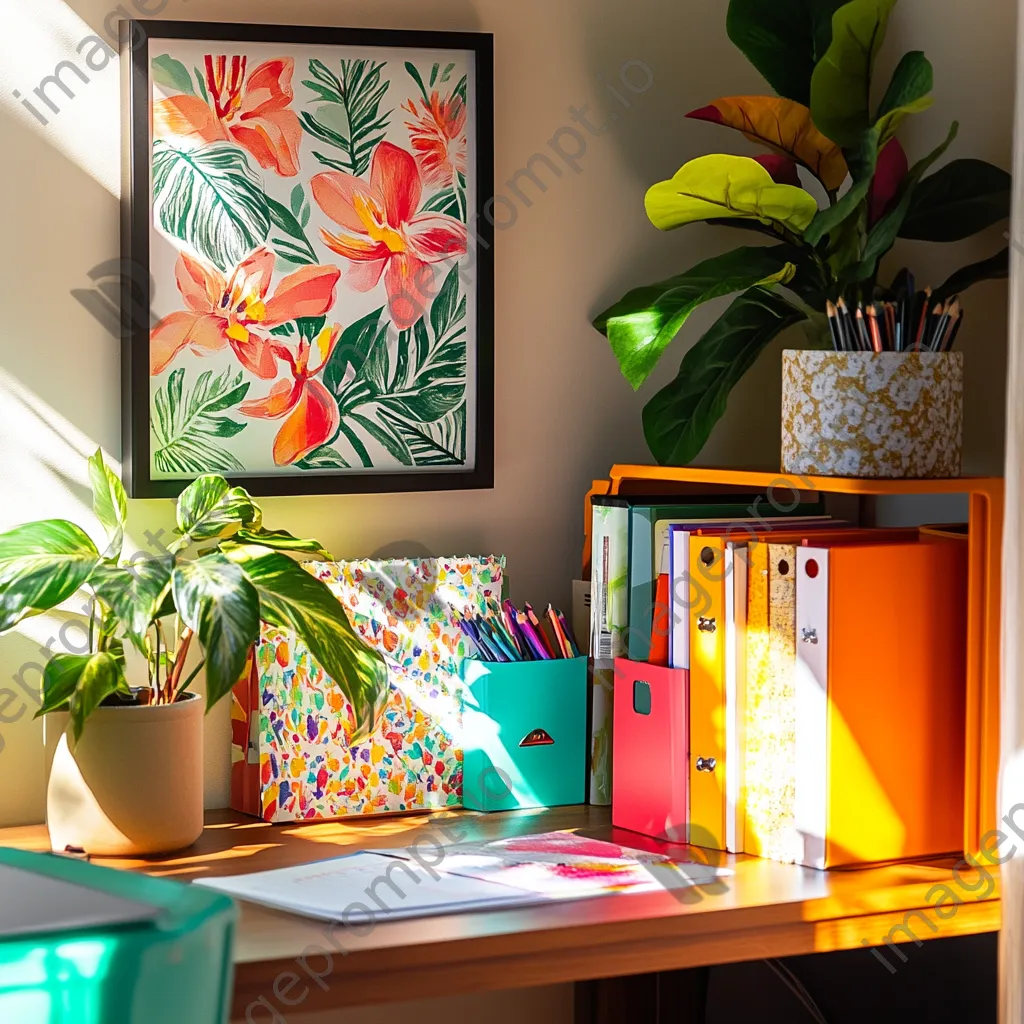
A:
413	759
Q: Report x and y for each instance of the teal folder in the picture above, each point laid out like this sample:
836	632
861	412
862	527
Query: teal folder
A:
524	733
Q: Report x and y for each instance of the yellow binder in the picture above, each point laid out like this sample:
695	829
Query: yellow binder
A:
708	761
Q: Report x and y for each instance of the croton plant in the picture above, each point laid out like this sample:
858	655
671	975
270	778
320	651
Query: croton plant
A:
833	193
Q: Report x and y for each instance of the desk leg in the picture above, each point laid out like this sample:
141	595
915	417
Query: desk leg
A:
671	997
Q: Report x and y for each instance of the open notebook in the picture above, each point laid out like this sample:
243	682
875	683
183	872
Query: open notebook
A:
522	871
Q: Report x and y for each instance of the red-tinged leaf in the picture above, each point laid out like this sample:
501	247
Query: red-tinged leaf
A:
889	174
784	127
781	168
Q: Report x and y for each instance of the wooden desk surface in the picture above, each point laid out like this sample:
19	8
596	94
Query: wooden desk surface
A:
763	910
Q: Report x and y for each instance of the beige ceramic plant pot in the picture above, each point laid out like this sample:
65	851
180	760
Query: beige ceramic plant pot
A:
132	784
872	415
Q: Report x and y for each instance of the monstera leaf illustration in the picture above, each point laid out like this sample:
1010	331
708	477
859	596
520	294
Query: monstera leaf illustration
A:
211	199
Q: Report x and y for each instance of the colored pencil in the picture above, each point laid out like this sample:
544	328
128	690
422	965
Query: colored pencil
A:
570	638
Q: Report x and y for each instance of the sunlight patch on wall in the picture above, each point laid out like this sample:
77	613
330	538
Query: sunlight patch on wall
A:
59	77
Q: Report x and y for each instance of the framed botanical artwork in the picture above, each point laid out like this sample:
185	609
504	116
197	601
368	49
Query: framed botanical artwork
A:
309	306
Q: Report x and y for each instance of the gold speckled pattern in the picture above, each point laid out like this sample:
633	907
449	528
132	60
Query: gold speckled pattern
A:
761	740
866	414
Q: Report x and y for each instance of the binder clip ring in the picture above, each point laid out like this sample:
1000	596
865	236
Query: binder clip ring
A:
706	625
809	636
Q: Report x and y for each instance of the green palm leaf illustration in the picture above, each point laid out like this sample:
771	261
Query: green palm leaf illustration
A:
184	422
210	198
348	116
407	396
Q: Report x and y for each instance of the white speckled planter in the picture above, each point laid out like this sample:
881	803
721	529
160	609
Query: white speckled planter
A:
875	415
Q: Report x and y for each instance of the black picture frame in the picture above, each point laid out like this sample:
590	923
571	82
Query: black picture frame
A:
135	36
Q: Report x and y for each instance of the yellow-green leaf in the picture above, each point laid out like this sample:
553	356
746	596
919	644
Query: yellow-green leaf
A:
889	124
784	127
841	83
719	186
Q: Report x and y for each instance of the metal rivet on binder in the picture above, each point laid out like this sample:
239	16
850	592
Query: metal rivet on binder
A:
706	764
706	625
810	636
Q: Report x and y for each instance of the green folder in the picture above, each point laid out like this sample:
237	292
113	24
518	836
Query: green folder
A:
643	571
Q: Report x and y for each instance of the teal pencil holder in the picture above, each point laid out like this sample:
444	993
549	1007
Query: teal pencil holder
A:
524	733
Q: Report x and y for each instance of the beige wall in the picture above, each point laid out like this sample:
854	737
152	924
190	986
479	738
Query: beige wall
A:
563	412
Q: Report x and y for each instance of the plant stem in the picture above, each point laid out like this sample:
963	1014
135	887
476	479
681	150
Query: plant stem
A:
155	682
92	622
185	685
179	664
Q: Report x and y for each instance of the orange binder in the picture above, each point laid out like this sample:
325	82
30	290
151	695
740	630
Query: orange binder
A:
890	652
718	800
773	788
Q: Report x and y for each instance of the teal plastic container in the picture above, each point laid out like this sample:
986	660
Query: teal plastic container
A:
81	944
524	733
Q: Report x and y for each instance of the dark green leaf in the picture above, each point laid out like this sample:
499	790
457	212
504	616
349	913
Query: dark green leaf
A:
994	268
135	593
218	602
680	417
783	39
41	565
912	80
357	445
109	503
296	198
310	326
323	457
828	220
281	217
444	201
60	677
957	201
209	505
415	75
444	306
349	119
841	83
293	599
201	85
211	199
641	325
385	437
183	421
101	676
423	447
883	234
352	349
171	74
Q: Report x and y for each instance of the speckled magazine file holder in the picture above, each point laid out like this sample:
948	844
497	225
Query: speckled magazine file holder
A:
650	749
524	733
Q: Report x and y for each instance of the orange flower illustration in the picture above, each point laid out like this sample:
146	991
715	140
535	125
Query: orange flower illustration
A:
254	112
312	411
226	311
438	136
381	229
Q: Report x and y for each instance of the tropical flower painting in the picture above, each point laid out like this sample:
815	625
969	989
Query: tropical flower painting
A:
313	281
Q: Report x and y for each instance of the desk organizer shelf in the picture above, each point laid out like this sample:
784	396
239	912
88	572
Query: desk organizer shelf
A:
979	682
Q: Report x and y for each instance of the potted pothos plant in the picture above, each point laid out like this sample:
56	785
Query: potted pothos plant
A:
833	194
127	770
